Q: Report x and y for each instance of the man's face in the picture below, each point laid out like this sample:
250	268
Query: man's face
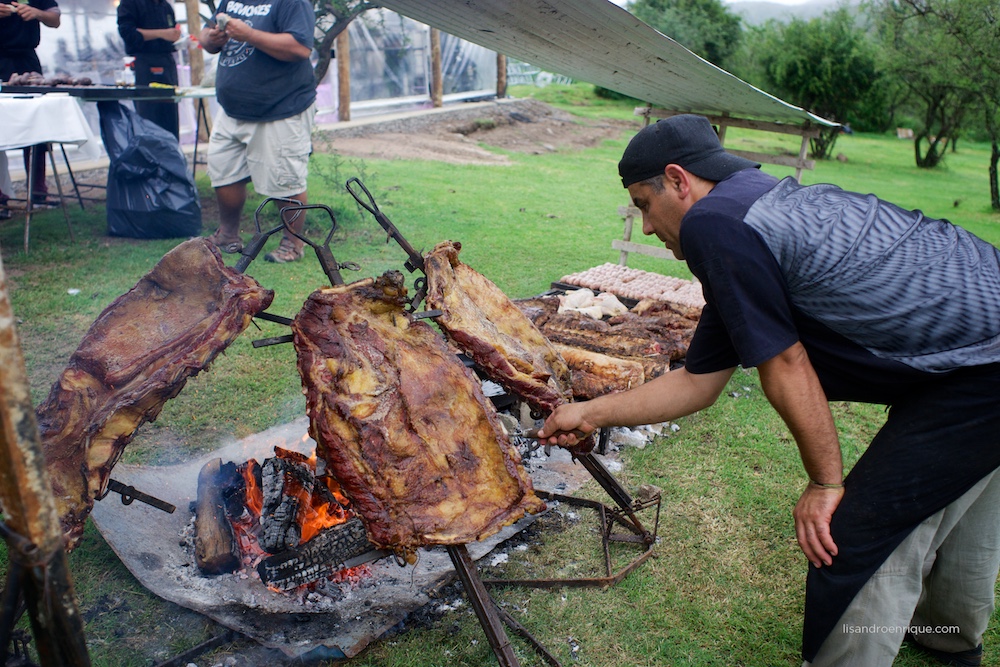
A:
662	211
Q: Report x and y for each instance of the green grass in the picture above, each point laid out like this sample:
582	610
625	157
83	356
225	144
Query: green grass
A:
725	585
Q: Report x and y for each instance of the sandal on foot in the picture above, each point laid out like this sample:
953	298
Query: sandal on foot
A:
285	252
231	246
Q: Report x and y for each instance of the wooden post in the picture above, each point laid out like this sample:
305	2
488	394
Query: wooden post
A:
37	558
501	76
437	84
803	152
343	76
196	57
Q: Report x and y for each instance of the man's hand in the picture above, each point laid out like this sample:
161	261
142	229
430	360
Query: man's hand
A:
565	424
172	34
212	39
7	10
812	516
27	12
238	30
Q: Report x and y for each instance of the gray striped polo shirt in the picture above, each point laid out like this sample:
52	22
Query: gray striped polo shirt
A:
906	287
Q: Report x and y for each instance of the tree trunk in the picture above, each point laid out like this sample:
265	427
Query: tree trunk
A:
821	146
932	157
325	51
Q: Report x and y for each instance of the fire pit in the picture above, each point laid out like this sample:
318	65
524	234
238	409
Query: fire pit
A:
397	398
336	620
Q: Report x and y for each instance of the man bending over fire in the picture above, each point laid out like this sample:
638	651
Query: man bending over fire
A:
838	296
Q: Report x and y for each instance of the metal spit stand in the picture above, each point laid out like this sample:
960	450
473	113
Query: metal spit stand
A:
491	617
625	515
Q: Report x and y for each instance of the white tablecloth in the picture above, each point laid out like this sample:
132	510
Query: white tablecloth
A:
29	120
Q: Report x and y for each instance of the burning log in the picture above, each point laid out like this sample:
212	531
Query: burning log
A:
285	483
247	511
327	553
215	548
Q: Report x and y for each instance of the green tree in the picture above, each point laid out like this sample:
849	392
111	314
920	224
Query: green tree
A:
973	26
925	52
332	18
706	27
826	65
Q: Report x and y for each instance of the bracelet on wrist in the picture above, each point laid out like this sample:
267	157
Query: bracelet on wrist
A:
826	486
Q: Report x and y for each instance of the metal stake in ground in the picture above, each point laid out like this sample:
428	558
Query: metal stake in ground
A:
36	553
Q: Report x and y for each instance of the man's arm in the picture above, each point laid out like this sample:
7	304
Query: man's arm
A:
169	34
280	46
47	17
670	396
791	385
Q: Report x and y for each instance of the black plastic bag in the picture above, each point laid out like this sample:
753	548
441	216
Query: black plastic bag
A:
151	194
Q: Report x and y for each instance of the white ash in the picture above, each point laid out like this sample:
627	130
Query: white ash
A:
455	604
491	388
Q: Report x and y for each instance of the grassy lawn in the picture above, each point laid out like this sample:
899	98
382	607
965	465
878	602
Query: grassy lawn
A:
725	585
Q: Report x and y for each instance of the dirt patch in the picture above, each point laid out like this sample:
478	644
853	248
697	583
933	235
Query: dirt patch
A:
458	135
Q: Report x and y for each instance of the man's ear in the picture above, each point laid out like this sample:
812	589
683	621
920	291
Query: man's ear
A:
676	178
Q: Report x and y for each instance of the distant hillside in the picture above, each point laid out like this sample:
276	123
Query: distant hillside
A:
755	13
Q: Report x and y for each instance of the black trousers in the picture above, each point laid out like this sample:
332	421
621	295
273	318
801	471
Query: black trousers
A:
158	68
935	445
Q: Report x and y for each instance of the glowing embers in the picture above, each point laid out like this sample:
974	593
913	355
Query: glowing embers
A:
280	519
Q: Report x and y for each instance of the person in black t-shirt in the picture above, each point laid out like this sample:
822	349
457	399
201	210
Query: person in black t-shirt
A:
20	34
149	30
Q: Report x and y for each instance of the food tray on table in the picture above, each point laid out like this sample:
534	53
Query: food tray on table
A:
94	93
634	285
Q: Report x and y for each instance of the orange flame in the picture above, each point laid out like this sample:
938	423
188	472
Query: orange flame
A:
315	512
254	494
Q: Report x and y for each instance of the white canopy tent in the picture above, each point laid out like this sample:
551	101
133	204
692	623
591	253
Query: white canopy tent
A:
601	43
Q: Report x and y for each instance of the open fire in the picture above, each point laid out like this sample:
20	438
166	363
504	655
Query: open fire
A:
282	521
